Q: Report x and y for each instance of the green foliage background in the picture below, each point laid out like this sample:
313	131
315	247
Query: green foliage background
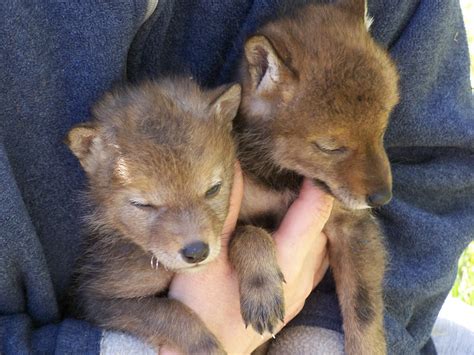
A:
464	286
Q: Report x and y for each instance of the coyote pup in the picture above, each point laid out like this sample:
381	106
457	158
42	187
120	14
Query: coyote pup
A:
159	158
317	92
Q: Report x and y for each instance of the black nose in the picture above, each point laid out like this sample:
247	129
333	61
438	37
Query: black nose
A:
195	252
379	198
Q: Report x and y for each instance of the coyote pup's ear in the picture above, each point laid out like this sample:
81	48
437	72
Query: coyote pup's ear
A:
360	9
226	105
267	70
84	142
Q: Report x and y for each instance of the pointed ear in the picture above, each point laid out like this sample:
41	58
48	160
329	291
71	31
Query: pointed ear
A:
82	140
360	9
226	105
267	70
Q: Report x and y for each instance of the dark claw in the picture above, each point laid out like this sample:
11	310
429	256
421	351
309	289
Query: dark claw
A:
281	314
270	328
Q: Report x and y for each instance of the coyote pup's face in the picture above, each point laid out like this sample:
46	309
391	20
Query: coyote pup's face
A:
319	90
159	158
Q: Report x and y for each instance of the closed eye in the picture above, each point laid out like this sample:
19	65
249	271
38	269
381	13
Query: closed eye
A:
214	190
140	204
330	150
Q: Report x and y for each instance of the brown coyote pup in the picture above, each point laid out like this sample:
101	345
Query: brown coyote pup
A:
317	92
159	158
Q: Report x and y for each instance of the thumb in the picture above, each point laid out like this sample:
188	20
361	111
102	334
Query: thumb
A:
309	212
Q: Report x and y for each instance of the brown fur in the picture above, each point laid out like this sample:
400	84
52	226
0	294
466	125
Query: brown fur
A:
152	153
317	92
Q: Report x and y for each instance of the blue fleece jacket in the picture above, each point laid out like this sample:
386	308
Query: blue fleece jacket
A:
58	57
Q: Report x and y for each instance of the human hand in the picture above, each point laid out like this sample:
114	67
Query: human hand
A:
301	252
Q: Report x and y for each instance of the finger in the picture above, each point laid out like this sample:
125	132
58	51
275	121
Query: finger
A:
234	204
316	255
321	271
309	211
314	266
295	308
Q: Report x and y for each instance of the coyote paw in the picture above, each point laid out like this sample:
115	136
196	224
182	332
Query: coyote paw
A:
261	301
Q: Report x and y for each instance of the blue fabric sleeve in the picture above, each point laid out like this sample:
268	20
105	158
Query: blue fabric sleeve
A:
431	145
26	290
19	336
56	59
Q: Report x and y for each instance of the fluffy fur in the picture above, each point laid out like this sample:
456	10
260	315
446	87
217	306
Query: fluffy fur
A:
159	158
317	92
